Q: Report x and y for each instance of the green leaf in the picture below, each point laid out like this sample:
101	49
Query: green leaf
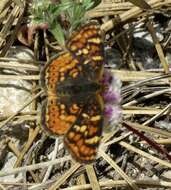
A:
58	33
57	9
74	11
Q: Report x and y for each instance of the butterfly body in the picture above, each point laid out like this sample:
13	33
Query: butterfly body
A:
74	106
85	88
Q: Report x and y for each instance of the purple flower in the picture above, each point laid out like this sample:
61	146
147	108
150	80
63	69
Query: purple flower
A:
112	88
107	77
112	98
112	113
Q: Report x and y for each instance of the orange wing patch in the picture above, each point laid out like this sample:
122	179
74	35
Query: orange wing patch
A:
56	71
51	121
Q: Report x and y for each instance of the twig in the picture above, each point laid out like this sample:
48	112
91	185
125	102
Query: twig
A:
148	140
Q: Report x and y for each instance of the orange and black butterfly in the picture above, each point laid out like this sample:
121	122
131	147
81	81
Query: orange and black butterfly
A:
74	106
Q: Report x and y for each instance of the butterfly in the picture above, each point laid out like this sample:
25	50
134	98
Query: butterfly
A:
74	106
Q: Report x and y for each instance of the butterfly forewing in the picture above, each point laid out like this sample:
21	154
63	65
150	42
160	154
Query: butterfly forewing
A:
87	45
58	112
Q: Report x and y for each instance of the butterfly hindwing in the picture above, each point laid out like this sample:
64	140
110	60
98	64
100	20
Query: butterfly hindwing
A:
83	138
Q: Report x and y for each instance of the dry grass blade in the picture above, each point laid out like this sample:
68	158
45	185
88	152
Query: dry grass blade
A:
150	130
10	20
126	75
20	119
133	110
3	4
132	13
63	178
107	184
158	47
12	64
148	96
117	139
160	141
141	3
145	81
150	141
32	136
2	187
92	177
108	136
157	115
48	172
19	77
19	3
147	155
16	12
122	183
14	149
34	166
118	169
